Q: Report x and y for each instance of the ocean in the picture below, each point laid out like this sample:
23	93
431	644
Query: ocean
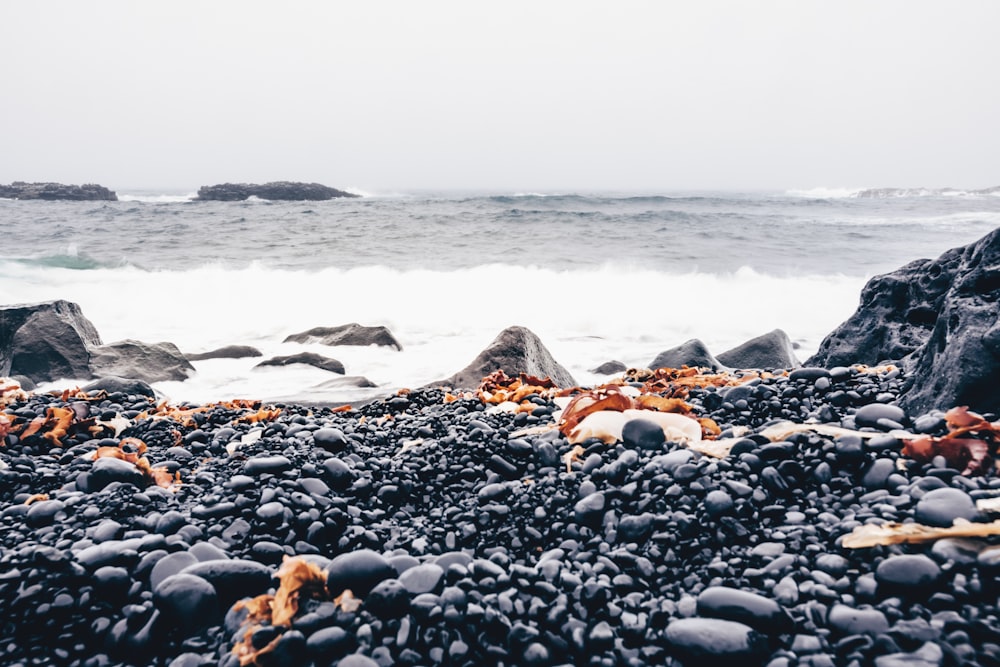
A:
598	276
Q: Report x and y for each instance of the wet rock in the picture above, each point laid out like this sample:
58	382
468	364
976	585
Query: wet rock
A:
745	607
358	571
233	578
770	350
347	334
114	384
643	434
589	511
330	643
692	353
187	602
850	621
107	470
388	599
148	362
710	641
907	574
46	341
515	350
873	414
940	507
273	465
425	578
609	368
227	352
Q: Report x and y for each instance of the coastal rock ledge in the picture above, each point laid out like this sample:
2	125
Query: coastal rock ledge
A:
276	191
57	191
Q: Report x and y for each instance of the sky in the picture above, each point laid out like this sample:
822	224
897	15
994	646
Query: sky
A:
516	96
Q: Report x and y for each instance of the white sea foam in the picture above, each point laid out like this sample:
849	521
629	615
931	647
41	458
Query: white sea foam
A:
442	318
824	193
156	198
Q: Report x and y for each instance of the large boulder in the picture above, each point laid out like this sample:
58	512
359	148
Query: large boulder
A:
57	191
692	353
275	191
46	341
347	334
770	350
939	318
149	362
516	350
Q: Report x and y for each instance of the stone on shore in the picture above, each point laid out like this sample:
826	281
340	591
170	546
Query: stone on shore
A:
149	362
307	358
57	191
274	191
771	350
46	341
346	334
227	352
515	350
692	353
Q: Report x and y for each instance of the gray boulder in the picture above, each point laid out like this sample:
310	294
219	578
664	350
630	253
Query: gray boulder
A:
46	341
939	318
149	362
770	350
112	384
275	191
227	352
610	368
516	350
347	334
692	353
308	358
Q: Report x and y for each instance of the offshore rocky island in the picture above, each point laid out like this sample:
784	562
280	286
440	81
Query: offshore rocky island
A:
731	509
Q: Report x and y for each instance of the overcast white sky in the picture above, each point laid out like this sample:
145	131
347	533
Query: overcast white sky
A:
540	95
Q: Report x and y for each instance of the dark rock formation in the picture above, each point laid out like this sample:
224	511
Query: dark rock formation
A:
346	382
515	350
227	352
149	362
692	353
309	358
275	191
46	341
940	319
610	368
113	384
770	350
347	334
57	191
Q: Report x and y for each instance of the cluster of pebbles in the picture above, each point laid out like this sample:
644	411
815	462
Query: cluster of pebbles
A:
468	542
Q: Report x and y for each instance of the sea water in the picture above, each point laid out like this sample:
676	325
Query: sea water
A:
598	276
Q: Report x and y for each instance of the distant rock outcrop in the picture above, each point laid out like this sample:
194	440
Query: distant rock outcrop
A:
937	317
57	191
275	191
347	334
770	350
516	350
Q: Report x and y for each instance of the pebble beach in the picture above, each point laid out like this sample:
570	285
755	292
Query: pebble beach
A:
468	533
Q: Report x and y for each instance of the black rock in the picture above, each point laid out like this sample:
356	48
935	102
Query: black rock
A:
347	334
113	384
643	434
57	192
46	341
330	643
850	621
170	565
259	465
273	191
358	571
711	641
515	350
589	511
187	601
107	470
873	413
425	578
691	353
388	599
307	358
770	350
757	611
233	578
227	352
148	362
940	507
907	574
609	368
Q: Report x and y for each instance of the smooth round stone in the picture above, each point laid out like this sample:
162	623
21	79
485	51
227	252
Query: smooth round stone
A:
357	660
849	449
327	644
850	621
170	565
187	601
357	571
718	503
43	513
204	551
338	474
808	373
601	637
869	415
112	583
907	573
751	609
426	578
957	550
635	528
272	512
878	474
106	470
643	434
190	660
272	465
330	439
234	578
833	564
169	522
715	641
940	507
314	486
388	599
589	511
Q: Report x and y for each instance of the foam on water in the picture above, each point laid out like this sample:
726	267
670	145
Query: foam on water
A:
443	319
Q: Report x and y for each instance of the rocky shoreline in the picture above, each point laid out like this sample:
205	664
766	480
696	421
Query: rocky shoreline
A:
57	191
692	514
274	191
